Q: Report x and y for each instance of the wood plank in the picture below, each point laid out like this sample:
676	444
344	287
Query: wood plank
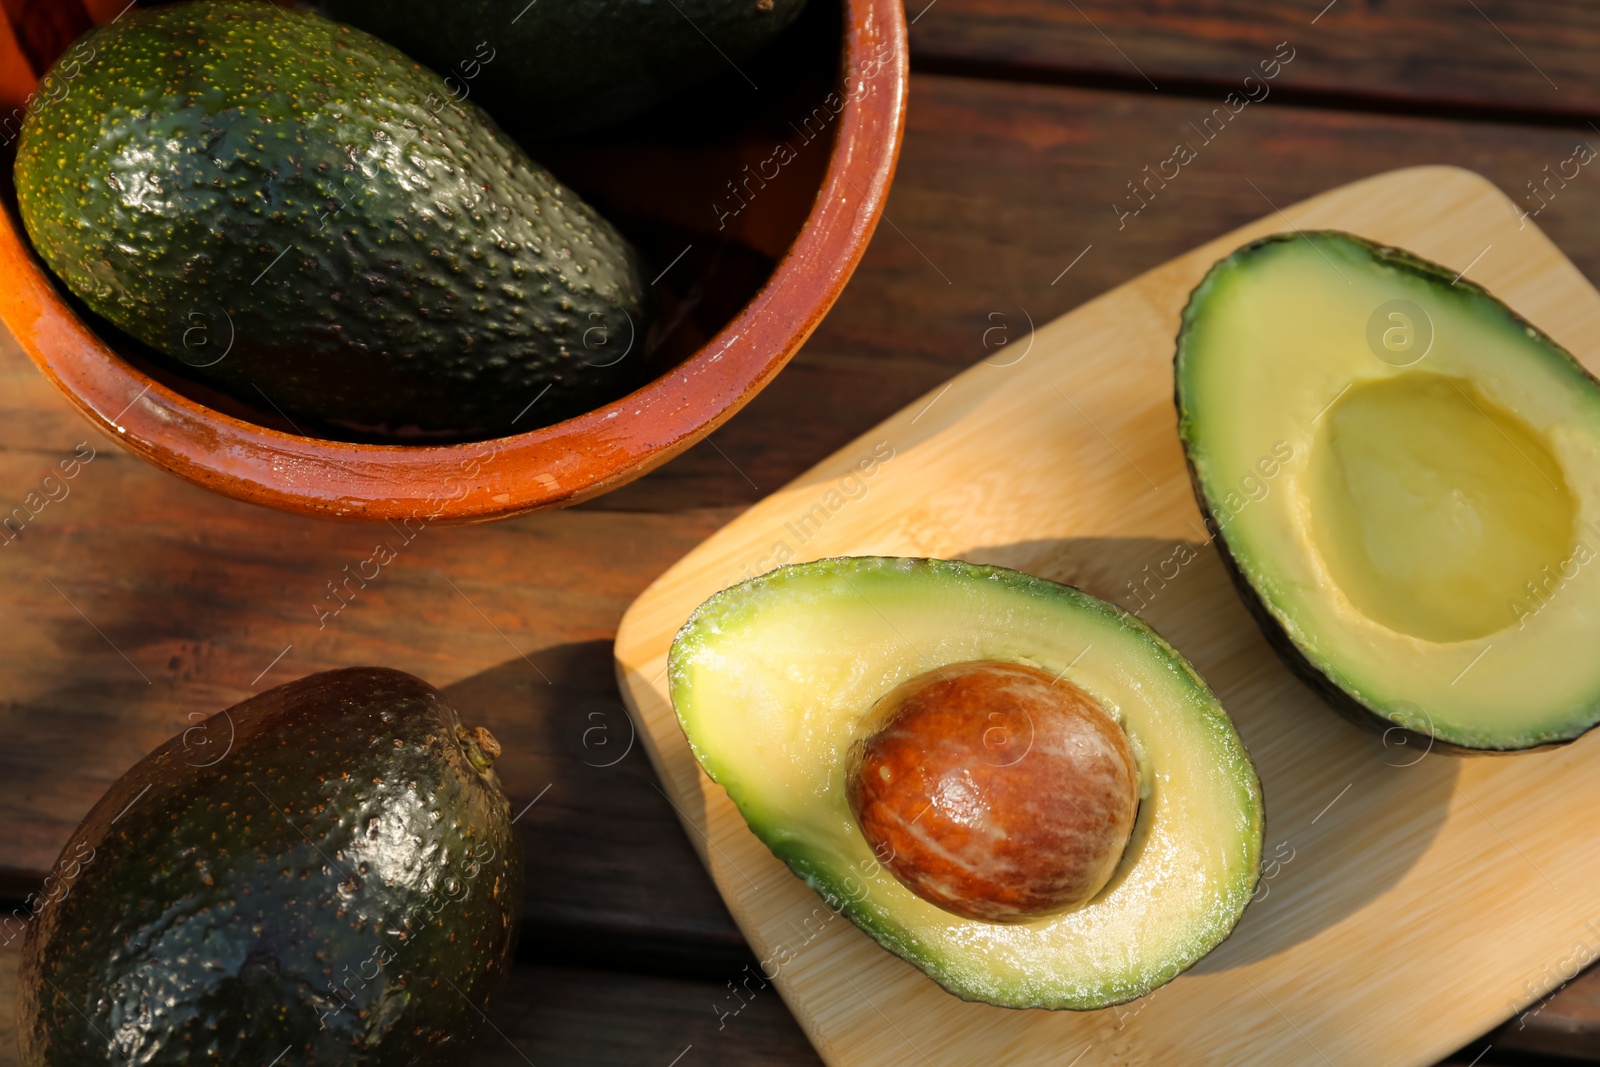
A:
1358	954
1495	56
1001	186
139	602
565	1016
582	1017
1564	1024
612	881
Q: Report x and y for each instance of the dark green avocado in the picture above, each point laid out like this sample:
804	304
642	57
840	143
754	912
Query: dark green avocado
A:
295	213
560	66
325	873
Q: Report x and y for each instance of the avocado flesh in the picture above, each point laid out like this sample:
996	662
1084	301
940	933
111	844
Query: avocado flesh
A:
562	66
312	869
771	680
295	213
1412	530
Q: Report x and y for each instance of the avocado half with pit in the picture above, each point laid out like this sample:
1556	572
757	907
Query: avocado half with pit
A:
1404	477
1016	787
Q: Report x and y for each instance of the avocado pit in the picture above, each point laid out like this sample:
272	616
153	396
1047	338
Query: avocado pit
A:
994	790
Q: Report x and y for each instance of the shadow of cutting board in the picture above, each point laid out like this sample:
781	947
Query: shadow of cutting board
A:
1410	899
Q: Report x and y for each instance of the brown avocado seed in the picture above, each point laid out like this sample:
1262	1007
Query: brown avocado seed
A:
995	791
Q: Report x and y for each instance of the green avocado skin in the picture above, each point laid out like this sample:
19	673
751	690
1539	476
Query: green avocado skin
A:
226	176
320	872
562	66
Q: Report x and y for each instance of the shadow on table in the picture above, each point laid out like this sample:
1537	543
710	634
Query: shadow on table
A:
611	880
1346	814
626	946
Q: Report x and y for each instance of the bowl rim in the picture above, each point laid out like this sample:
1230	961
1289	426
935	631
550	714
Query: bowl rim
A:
551	466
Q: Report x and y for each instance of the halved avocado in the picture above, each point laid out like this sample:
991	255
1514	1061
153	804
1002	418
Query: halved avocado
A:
774	680
1404	477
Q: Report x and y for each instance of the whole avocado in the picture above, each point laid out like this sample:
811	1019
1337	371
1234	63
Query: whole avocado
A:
295	213
562	66
325	873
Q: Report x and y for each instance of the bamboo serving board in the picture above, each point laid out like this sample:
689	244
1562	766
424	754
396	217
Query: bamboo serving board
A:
1410	899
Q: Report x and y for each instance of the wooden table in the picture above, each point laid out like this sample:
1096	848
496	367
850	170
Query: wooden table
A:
139	600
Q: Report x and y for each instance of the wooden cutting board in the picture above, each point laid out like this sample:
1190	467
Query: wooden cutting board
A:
1410	899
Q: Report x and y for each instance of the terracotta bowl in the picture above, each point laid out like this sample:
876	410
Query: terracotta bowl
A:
744	281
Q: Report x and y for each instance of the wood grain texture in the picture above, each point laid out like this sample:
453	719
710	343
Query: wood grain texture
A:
983	198
1001	186
1491	55
589	1018
137	603
580	1017
1565	1024
1063	461
572	1017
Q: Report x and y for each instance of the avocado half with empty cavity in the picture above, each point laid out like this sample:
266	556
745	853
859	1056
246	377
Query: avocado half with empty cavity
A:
1016	787
1404	477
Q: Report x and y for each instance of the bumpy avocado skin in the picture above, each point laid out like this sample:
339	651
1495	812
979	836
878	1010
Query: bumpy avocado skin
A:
321	869
561	66
227	176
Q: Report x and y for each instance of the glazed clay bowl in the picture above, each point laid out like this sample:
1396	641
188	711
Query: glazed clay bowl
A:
761	262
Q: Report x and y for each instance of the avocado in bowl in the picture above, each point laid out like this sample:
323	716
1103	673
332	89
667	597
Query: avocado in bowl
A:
368	251
737	283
